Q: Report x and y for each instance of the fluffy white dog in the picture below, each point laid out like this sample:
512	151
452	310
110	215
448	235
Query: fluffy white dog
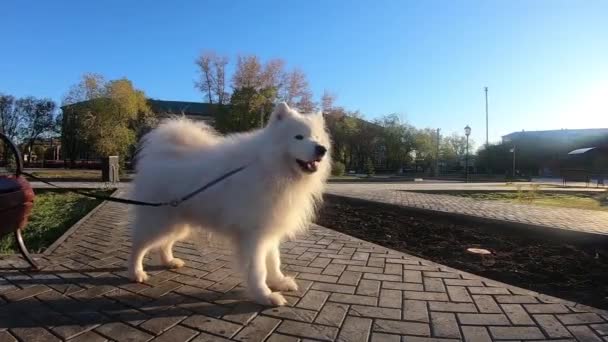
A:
274	197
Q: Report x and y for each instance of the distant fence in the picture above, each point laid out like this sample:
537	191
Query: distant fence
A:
62	164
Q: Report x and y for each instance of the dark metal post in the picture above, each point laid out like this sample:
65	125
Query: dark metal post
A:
467	160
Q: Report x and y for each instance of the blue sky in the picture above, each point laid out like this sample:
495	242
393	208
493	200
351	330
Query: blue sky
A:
545	62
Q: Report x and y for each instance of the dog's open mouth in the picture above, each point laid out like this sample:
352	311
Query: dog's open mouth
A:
308	166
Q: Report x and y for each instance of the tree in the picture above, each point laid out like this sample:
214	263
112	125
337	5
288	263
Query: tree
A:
454	149
297	92
248	72
212	83
37	116
9	119
397	138
327	101
107	117
425	142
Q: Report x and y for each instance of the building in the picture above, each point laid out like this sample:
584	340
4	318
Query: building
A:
562	135
544	153
192	110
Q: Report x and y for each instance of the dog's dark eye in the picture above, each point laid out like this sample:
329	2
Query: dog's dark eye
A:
299	137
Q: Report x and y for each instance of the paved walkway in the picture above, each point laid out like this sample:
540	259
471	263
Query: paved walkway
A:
565	218
351	290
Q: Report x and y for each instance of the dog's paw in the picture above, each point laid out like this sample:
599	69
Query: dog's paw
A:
176	263
273	299
285	284
139	276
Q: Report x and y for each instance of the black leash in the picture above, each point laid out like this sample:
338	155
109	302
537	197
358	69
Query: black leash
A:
173	203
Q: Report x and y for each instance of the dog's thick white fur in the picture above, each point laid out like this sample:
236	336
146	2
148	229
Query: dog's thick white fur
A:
274	197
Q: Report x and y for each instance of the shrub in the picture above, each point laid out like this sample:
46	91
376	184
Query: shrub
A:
338	169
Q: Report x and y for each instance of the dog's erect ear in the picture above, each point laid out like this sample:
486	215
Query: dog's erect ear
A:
281	111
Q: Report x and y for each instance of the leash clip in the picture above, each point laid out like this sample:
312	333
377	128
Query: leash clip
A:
174	203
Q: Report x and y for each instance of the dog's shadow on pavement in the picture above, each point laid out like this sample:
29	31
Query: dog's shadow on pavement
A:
73	298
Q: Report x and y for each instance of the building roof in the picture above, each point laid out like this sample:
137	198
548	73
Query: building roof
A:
581	150
183	107
557	133
176	107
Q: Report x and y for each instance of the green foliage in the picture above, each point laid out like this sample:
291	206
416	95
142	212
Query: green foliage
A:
106	117
369	167
53	213
249	109
338	169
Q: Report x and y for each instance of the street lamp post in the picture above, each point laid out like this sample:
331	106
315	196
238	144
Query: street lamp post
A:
467	132
513	172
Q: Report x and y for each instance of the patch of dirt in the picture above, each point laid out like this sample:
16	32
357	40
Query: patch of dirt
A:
575	271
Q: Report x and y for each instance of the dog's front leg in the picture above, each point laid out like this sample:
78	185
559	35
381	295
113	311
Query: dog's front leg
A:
276	279
255	251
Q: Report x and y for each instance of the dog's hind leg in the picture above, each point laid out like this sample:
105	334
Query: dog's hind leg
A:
166	249
146	235
276	280
254	250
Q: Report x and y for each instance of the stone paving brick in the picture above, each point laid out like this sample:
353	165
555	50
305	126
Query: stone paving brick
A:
580	318
452	307
584	333
260	328
353	299
313	300
445	325
486	304
334	269
410	276
380	337
545	308
355	329
415	310
375	312
402	286
516	299
121	331
476	334
5	336
205	337
296	314
319	332
158	325
551	326
401	327
390	298
601	329
176	333
33	334
332	314
483	319
368	287
459	294
487	290
516	333
28	292
334	288
517	314
212	325
318	277
276	337
425	296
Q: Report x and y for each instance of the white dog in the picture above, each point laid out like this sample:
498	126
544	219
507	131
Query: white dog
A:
272	198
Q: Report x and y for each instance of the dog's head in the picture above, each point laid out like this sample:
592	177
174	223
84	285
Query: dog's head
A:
302	137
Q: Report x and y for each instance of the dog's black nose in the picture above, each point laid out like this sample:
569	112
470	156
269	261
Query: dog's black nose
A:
320	150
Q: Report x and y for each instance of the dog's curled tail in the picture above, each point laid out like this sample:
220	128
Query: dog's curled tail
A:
176	136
